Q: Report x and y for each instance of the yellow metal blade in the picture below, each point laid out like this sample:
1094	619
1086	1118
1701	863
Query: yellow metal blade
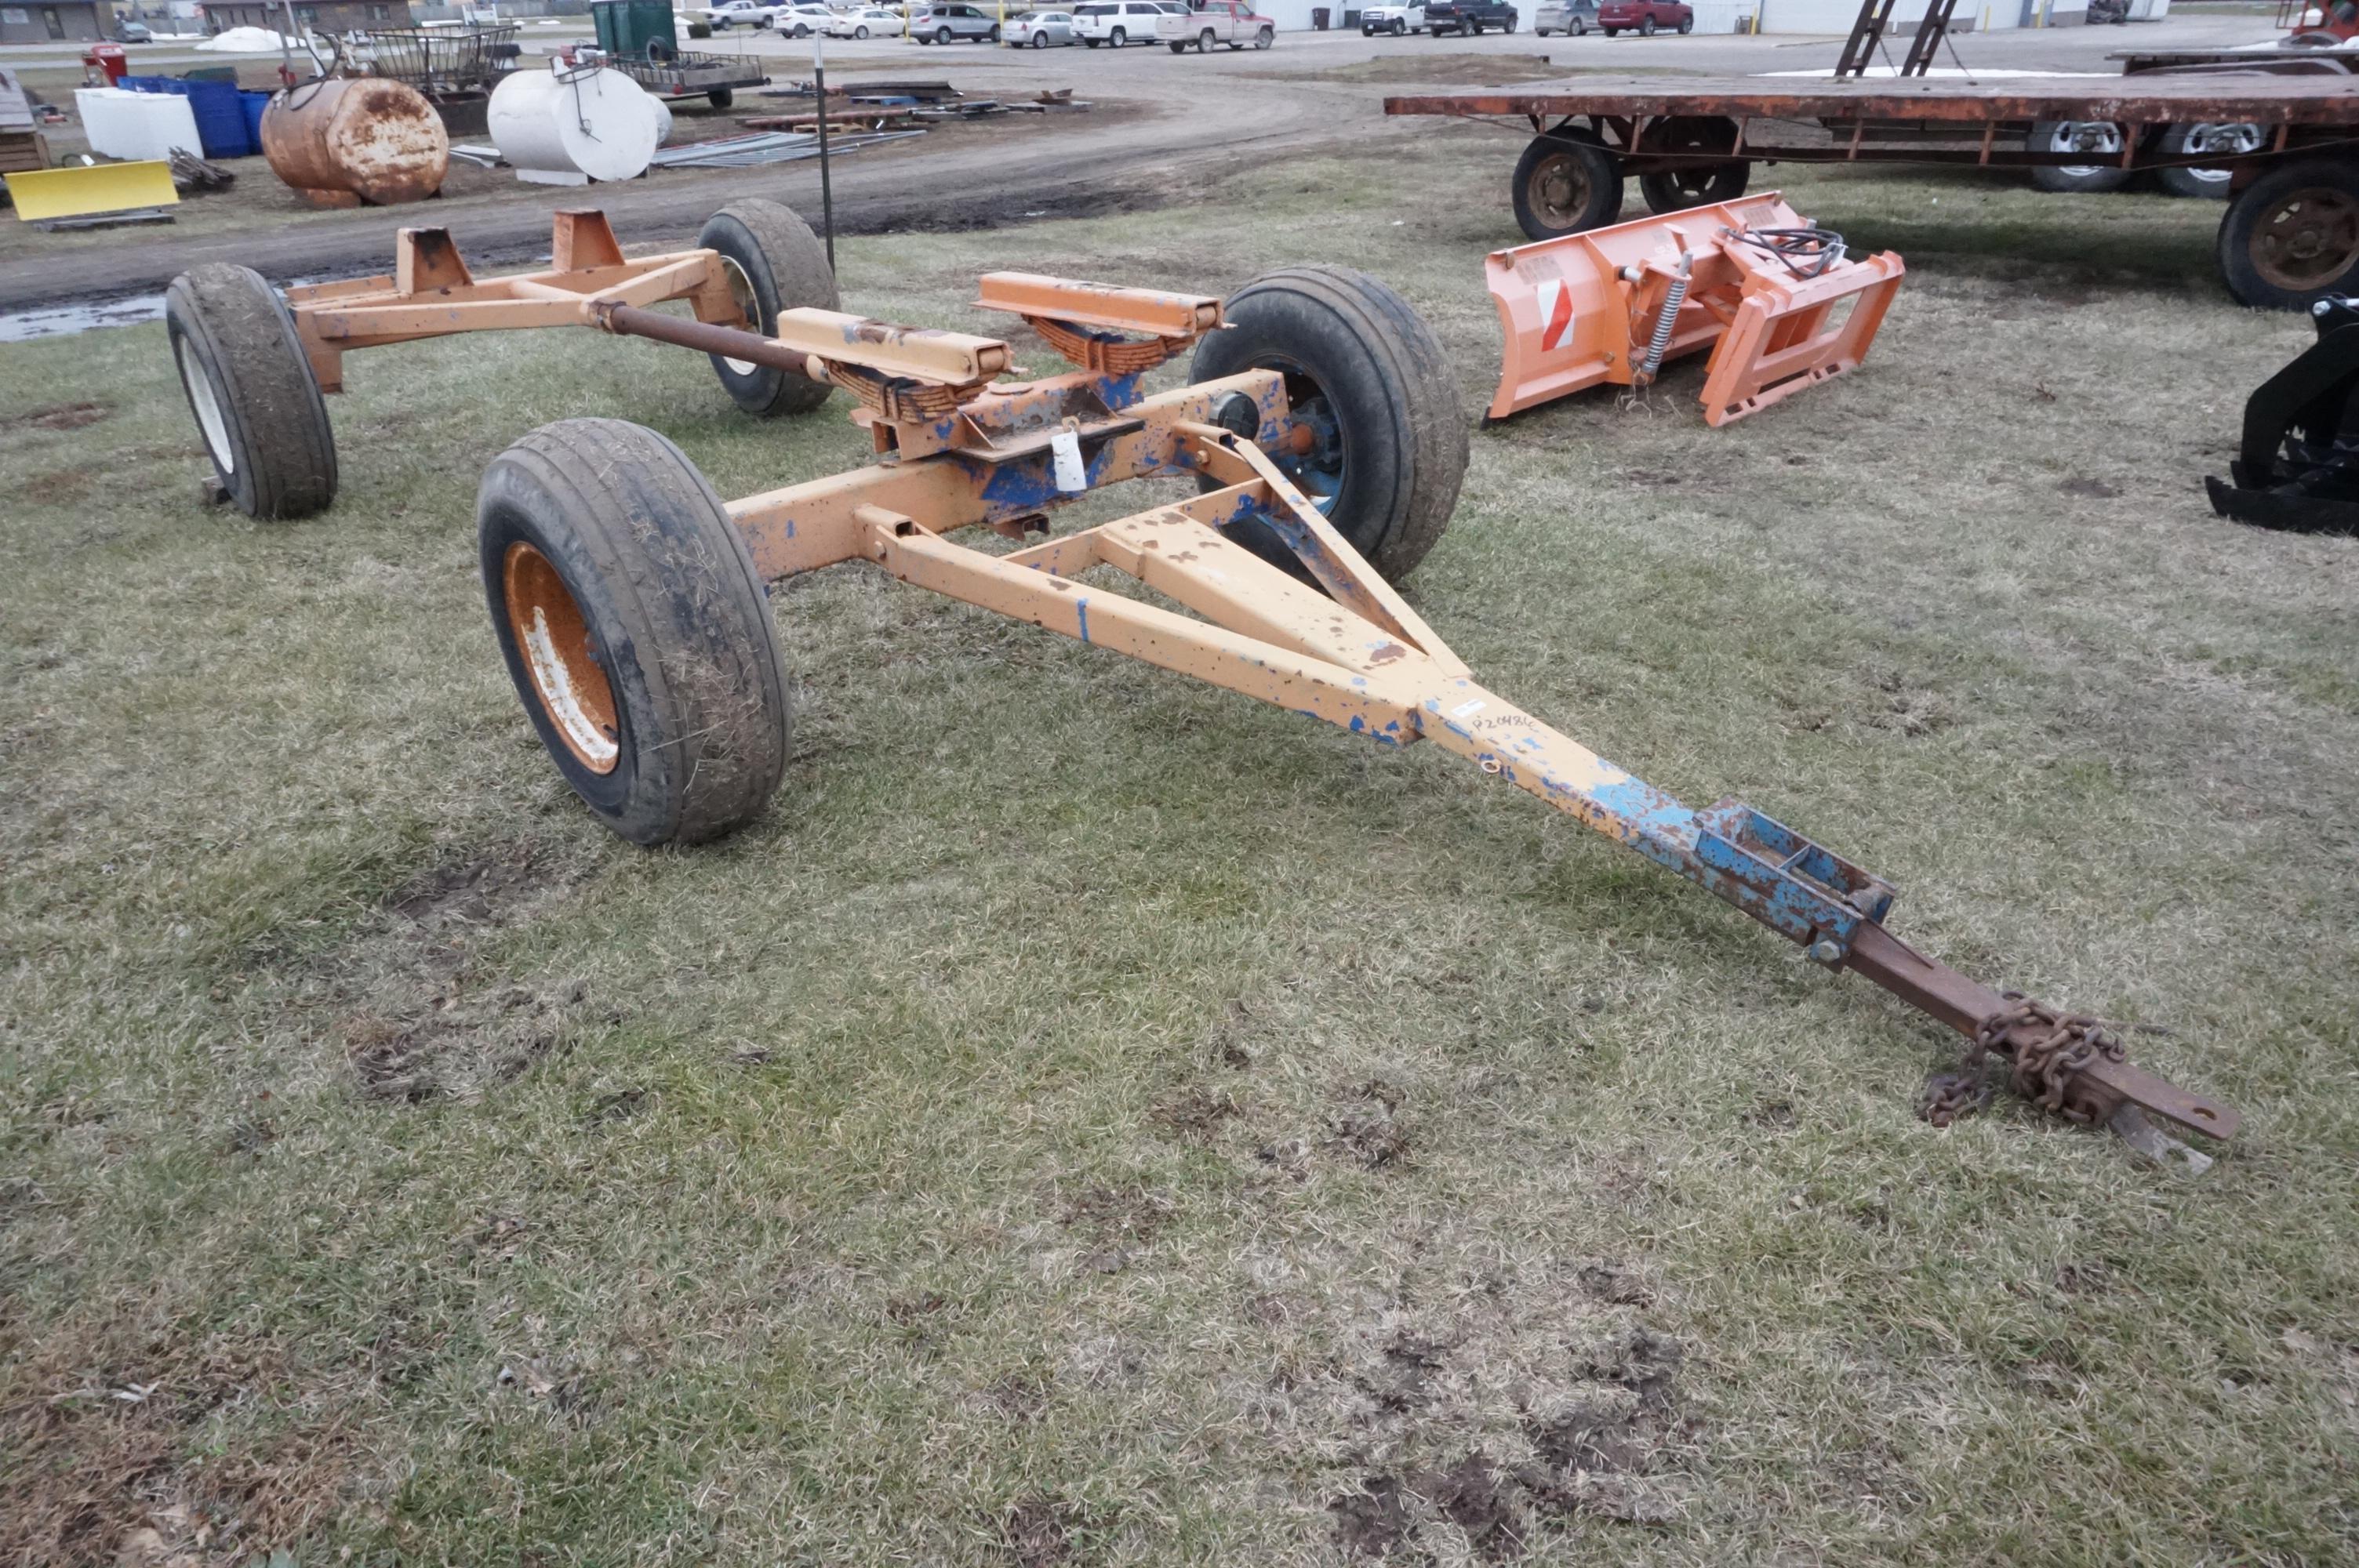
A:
46	193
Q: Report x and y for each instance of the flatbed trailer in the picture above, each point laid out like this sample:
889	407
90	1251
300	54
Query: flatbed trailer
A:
2291	235
688	73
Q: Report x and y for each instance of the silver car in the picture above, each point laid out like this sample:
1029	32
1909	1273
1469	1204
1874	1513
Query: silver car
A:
943	23
1039	29
1574	16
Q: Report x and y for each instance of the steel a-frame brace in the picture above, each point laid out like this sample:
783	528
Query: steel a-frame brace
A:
1348	650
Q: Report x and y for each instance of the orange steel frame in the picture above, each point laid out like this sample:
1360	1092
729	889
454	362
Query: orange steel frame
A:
431	294
1579	311
959	450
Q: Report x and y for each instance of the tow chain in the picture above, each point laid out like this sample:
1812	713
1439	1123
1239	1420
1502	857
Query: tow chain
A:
2040	1069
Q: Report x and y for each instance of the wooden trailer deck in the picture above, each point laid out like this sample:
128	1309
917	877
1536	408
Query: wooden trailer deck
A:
2292	234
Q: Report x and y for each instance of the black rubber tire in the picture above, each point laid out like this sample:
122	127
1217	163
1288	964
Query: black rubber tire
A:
721	97
1390	389
676	619
1580	28
1040	40
787	267
1204	41
2200	184
1399	28
1687	25
1676	192
1645	27
1613	32
2243	242
1511	24
1089	43
237	350
2069	178
943	36
1264	38
1179	47
992	37
1118	38
1595	197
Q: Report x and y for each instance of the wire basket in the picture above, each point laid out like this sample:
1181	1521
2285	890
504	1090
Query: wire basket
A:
440	59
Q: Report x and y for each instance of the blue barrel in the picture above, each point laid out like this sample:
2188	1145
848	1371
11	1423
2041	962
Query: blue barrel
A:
254	104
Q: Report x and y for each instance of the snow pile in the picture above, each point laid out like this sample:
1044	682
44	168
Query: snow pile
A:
248	40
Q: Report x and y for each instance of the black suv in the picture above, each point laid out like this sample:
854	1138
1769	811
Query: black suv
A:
1466	18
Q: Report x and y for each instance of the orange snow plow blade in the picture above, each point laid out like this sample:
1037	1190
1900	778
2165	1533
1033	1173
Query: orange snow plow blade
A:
1778	302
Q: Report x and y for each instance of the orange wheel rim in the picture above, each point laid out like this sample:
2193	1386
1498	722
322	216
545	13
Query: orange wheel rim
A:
554	641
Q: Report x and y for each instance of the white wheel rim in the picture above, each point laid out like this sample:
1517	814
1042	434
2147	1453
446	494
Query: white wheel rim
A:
210	423
740	288
2085	136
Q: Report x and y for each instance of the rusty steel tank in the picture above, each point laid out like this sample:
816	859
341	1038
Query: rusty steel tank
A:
351	140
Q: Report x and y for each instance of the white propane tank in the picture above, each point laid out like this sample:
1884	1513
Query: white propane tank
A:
663	117
573	127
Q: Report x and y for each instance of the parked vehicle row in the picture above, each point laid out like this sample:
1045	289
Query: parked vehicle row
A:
1179	26
1468	18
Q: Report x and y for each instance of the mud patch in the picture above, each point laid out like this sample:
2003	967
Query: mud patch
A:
479	891
129	1445
464	1048
1037	1532
1196	1114
57	489
57	416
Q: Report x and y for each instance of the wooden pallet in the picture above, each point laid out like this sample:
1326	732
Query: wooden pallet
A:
21	152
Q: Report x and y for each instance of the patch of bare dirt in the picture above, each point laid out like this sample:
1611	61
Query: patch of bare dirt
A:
464	1046
1037	1532
125	1444
57	416
58	489
1592	1422
1195	1114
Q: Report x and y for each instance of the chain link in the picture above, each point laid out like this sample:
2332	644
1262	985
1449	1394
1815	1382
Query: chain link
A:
2040	1069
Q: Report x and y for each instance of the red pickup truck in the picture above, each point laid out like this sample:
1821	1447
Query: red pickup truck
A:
1646	18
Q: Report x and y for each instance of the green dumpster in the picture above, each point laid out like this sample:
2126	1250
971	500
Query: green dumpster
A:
636	29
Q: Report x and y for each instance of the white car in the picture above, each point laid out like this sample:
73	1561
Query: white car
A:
1039	29
1393	19
865	22
1120	22
731	13
802	21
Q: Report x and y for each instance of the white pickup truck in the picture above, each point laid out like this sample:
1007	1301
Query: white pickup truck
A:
1220	22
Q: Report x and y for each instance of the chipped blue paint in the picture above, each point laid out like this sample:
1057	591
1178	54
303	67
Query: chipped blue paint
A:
1081	616
1735	853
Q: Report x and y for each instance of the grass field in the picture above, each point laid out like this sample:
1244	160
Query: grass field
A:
1093	1119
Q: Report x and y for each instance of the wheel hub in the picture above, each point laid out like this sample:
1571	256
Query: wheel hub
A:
749	305
554	639
2309	240
1558	189
207	406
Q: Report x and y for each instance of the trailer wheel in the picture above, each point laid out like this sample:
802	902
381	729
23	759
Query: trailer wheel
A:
257	403
1366	376
636	629
2102	137
2195	141
721	97
1676	190
2293	235
1565	182
774	262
